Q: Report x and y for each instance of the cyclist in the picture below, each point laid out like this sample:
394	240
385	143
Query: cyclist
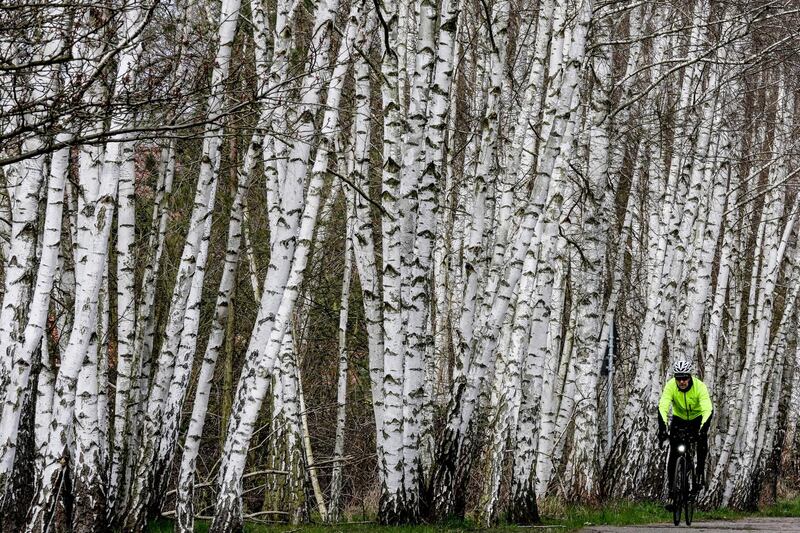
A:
691	410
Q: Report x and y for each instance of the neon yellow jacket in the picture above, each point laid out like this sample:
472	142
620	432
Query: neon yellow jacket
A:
686	405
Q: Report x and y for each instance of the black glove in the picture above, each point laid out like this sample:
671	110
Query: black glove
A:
705	427
662	429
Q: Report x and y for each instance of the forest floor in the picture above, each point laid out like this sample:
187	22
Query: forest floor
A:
610	518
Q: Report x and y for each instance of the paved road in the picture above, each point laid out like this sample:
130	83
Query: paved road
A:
782	525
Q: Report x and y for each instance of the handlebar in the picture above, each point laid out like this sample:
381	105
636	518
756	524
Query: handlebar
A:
686	436
681	436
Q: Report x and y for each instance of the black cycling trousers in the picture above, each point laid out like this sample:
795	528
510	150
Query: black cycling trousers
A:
701	445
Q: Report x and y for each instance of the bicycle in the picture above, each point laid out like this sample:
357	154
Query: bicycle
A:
683	489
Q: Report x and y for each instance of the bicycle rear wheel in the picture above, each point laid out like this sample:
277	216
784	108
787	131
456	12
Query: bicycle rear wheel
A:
677	490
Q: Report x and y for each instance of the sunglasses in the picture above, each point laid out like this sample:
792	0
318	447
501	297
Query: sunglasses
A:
682	378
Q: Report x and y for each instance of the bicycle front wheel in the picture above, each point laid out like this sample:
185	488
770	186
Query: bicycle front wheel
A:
677	490
686	492
690	493
676	512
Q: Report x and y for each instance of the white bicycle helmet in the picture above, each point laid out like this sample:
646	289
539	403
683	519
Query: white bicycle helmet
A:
682	367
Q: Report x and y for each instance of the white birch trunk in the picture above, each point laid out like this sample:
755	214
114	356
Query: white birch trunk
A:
528	347
9	176
721	291
525	143
29	177
392	506
121	158
85	459
174	360
690	313
420	230
103	335
24	186
173	406
731	404
290	440
124	461
550	353
452	502
364	246
44	404
556	404
310	463
502	413
126	314
286	181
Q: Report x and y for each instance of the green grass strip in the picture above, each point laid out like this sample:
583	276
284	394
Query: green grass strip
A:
556	517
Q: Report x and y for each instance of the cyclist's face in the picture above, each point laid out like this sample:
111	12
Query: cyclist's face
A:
682	381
